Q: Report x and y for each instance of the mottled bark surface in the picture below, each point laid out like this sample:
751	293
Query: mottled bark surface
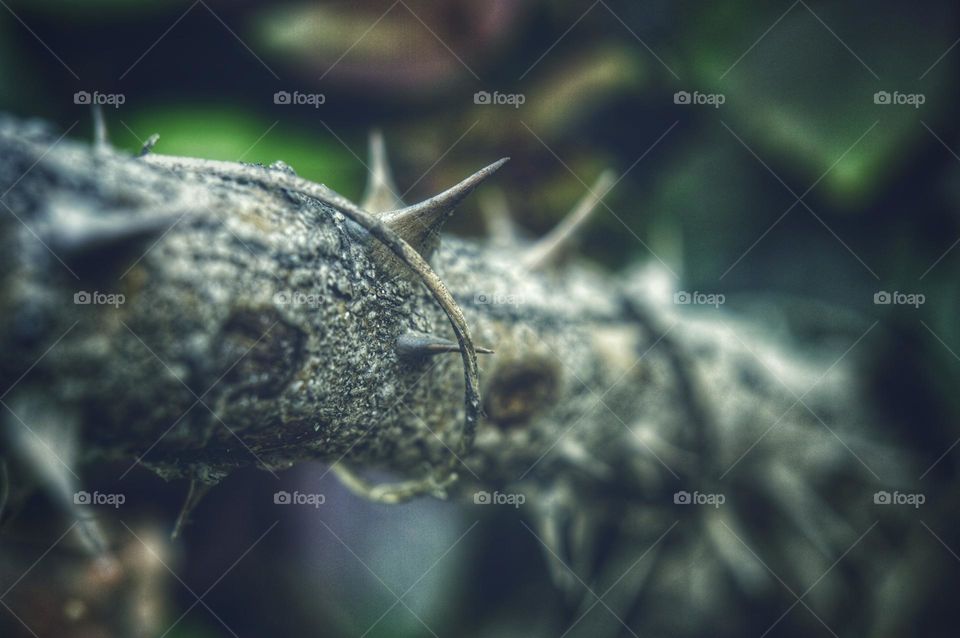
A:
259	326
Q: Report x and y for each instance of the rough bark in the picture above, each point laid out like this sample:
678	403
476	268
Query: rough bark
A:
260	323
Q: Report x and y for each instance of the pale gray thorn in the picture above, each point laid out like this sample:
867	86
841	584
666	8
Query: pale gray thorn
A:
380	194
100	140
549	248
419	344
47	439
419	225
497	217
813	516
552	522
726	537
76	228
195	494
149	144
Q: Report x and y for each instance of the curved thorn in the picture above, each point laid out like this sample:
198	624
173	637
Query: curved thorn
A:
553	243
380	194
420	224
418	344
407	255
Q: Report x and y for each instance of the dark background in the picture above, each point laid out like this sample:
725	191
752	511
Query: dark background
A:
700	185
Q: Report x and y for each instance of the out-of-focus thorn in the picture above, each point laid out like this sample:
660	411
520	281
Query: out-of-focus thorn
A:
194	495
497	217
553	244
100	140
149	144
380	194
76	228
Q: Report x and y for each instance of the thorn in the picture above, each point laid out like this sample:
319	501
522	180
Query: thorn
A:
48	447
418	344
149	144
380	195
553	243
100	141
496	216
813	516
420	224
724	534
194	495
552	518
75	228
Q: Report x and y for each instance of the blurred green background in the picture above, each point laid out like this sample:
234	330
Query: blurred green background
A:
708	193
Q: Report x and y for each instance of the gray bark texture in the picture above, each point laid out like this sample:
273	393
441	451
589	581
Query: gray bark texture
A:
259	325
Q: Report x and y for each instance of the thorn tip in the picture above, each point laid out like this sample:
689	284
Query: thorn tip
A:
418	344
420	224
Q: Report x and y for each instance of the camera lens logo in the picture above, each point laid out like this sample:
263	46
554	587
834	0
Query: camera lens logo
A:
881	97
482	498
99	498
282	498
698	498
681	297
899	498
281	97
96	97
898	298
681	97
482	97
97	298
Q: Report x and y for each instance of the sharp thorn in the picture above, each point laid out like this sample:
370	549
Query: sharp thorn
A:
420	224
100	141
497	218
194	495
549	248
74	228
418	344
48	447
149	144
380	195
